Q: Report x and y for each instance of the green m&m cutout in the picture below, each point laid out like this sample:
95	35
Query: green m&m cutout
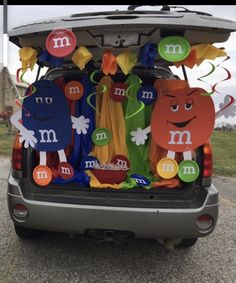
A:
174	48
188	171
101	136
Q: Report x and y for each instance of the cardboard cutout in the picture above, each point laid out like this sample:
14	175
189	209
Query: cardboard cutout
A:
61	42
46	121
184	118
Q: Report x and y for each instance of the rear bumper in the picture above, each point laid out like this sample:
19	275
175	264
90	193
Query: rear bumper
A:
143	222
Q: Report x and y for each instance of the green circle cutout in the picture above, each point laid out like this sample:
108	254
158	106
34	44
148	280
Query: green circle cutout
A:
101	136
174	48
188	171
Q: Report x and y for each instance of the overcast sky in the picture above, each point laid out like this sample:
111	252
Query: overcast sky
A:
20	14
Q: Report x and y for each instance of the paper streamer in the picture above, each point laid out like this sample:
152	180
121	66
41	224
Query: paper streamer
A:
104	88
32	89
227	105
142	105
213	68
206	75
20	79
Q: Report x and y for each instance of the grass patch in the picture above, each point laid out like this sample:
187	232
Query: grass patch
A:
224	153
6	141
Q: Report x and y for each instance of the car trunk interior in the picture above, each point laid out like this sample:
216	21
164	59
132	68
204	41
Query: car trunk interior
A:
186	195
118	32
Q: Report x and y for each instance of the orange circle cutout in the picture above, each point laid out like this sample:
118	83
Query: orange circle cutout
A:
74	90
183	119
42	175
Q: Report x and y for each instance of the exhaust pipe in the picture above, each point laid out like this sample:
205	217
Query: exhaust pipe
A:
169	245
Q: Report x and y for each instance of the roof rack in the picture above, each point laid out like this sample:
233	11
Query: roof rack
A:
168	8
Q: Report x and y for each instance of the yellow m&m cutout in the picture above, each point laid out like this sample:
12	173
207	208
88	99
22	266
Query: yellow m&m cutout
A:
167	168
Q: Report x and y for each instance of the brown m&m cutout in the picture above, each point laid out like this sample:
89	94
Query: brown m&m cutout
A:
121	160
117	92
65	170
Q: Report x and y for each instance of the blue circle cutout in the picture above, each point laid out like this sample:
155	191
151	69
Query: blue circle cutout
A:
147	95
140	179
88	163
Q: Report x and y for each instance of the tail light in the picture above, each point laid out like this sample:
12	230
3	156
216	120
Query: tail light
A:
204	222
17	154
207	161
20	212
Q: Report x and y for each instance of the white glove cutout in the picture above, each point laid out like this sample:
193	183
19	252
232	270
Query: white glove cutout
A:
80	124
28	137
140	135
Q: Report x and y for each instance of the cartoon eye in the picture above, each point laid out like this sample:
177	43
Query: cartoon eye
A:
174	106
188	104
39	100
48	100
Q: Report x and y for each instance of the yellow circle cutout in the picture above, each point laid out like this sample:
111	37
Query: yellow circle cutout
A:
167	168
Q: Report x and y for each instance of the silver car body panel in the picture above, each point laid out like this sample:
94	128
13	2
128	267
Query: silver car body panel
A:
143	222
118	30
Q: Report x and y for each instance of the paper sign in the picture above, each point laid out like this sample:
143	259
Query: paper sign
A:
183	119
61	42
42	175
74	90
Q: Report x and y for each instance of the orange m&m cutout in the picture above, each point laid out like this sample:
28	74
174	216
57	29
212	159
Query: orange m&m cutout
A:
183	119
42	175
74	90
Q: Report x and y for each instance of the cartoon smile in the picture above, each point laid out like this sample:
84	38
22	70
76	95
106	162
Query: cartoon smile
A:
182	124
42	119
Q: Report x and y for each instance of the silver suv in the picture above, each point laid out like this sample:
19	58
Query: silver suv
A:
176	216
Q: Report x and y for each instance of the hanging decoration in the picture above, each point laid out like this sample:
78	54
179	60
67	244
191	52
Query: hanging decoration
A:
28	57
147	95
174	48
118	92
227	108
46	58
207	51
74	90
60	42
81	57
126	60
109	65
147	54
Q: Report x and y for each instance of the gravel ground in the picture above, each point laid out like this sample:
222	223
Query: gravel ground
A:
60	258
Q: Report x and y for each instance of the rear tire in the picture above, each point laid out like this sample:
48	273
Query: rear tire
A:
187	243
27	233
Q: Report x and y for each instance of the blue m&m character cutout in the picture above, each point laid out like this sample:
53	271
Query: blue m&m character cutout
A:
89	162
147	95
140	180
